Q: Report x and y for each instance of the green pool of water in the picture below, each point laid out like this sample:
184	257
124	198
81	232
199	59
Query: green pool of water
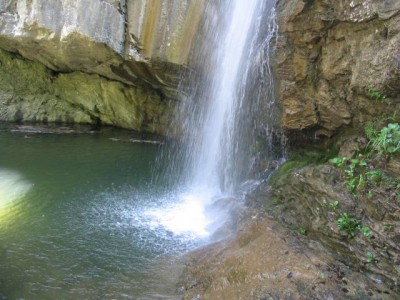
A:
74	221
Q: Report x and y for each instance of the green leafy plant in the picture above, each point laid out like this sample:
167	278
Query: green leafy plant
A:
352	185
354	171
354	163
387	140
339	161
371	259
334	204
372	127
355	179
376	95
374	176
367	232
302	231
348	224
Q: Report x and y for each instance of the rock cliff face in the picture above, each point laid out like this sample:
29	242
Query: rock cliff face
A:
31	92
334	59
140	46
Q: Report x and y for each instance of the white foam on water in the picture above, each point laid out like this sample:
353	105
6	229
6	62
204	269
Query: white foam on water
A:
187	216
12	187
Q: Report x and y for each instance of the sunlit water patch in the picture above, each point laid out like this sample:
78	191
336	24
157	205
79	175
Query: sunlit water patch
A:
12	187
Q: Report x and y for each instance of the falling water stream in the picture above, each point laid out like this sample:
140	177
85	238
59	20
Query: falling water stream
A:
83	217
222	112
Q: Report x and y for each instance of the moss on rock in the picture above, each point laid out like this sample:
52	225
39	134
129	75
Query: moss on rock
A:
32	93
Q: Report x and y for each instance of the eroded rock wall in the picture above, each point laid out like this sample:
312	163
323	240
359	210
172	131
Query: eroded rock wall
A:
331	57
31	92
143	44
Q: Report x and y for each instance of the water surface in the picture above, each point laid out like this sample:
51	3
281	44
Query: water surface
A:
80	218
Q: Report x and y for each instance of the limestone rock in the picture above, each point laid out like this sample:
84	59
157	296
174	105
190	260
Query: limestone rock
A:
329	55
164	30
31	92
115	62
141	43
61	35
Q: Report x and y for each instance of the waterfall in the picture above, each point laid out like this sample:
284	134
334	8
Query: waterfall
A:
227	96
215	151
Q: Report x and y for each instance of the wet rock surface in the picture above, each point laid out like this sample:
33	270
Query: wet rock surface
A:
268	261
292	244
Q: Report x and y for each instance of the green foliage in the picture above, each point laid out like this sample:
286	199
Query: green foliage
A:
353	172
355	164
371	259
376	95
348	224
367	232
334	204
374	176
372	127
352	184
339	162
387	140
370	130
383	143
351	225
302	231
